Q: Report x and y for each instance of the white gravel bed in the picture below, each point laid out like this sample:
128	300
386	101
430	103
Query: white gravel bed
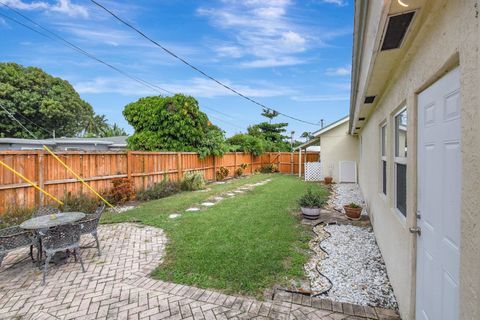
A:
355	267
346	193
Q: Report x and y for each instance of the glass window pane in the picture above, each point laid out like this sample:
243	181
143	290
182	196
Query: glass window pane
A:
383	140
401	134
384	177
401	188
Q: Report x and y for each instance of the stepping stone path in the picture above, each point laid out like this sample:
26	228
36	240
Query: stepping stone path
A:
174	215
208	204
216	199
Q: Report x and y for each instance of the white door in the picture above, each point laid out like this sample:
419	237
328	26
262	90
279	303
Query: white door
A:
347	171
439	193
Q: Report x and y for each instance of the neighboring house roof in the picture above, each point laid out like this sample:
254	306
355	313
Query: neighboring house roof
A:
112	142
26	141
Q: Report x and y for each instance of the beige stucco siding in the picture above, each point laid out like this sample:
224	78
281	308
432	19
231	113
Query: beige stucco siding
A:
449	37
337	145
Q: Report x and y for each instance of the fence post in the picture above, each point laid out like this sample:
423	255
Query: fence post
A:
291	162
129	165
179	166
214	168
235	163
40	179
251	163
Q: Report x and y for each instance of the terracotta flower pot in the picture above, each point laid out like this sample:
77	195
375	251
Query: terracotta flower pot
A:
310	213
353	213
328	180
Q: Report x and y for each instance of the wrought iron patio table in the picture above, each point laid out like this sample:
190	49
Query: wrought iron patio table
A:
48	221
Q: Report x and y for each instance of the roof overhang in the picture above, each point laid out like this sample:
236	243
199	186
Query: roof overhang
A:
374	69
331	126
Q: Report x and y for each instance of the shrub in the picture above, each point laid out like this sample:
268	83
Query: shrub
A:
268	168
193	180
238	172
15	216
79	202
222	173
312	200
159	190
244	166
122	191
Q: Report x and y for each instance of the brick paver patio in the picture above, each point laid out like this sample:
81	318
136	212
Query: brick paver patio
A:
117	286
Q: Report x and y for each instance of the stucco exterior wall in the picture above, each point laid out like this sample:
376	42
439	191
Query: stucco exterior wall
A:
337	145
449	37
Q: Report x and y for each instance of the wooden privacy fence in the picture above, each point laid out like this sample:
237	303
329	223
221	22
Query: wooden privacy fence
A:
100	168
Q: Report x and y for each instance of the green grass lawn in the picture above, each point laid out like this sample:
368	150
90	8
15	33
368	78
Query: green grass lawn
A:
241	245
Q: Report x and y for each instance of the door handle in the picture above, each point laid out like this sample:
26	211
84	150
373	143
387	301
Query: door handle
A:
416	230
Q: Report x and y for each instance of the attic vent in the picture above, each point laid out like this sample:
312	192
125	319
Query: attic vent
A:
369	99
396	29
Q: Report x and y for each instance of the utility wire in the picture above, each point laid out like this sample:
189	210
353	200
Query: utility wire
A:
76	48
16	120
69	44
194	67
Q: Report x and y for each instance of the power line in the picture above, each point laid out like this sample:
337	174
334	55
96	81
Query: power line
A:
16	120
70	45
194	67
78	49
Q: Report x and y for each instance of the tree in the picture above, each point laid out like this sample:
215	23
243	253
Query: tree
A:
173	123
272	132
34	96
115	131
270	114
248	143
307	135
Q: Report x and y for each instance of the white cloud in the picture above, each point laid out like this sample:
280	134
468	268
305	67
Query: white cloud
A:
340	71
198	87
262	32
62	6
322	97
340	3
272	62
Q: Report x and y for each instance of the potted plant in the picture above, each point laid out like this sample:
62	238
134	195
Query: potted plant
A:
311	203
353	211
328	179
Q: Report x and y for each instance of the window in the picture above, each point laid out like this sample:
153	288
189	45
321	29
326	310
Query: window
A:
401	161
383	137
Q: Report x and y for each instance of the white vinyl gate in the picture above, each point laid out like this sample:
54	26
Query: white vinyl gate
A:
347	171
313	171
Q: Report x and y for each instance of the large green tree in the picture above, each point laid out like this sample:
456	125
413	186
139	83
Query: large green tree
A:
173	123
34	96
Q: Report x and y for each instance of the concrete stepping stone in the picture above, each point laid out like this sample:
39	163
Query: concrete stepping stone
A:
174	215
230	194
208	204
218	198
192	209
239	191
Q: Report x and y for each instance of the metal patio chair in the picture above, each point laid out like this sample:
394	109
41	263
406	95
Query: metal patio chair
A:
45	210
89	224
13	238
58	239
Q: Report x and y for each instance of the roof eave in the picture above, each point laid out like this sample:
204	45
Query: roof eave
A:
358	41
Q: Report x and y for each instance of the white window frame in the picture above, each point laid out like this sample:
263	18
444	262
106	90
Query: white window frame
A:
383	158
398	160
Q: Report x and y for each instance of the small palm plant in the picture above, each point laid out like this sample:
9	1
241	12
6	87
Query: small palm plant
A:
311	203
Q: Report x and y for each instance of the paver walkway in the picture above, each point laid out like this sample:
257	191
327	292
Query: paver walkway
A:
117	286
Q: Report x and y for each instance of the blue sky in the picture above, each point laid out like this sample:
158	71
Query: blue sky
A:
292	55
